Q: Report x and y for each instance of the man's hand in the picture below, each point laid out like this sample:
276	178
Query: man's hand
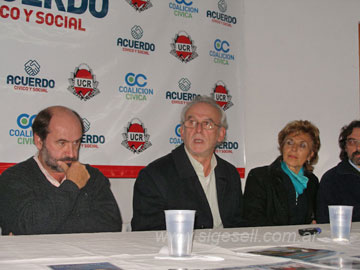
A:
76	172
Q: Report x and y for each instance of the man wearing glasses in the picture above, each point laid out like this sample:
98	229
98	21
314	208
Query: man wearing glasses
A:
341	184
191	177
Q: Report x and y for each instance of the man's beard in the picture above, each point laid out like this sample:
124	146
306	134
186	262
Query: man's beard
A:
355	158
52	162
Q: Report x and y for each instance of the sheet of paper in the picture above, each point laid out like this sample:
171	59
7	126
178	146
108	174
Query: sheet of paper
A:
85	266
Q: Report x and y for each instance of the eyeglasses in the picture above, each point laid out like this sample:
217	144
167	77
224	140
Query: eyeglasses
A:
206	124
352	142
301	145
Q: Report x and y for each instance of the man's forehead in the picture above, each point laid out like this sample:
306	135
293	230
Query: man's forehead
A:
355	133
65	118
61	123
202	110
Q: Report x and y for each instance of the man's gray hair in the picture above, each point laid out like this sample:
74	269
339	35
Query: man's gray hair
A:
207	100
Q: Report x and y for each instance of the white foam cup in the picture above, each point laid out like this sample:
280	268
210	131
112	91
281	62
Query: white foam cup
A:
340	222
180	227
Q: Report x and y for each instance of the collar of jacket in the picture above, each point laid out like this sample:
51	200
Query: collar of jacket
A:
344	167
187	173
275	167
184	167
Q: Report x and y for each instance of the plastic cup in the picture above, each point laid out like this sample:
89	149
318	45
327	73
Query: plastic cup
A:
180	227
340	222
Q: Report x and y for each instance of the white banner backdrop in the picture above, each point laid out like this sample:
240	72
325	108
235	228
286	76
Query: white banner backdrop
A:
127	67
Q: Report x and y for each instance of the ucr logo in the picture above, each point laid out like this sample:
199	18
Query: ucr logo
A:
183	47
135	137
83	83
140	5
221	96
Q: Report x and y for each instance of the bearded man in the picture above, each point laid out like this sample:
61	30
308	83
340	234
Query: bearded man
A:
341	184
52	192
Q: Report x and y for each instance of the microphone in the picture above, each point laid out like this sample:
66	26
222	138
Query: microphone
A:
309	231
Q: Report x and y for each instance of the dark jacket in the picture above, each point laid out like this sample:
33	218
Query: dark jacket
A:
339	186
171	183
270	198
30	204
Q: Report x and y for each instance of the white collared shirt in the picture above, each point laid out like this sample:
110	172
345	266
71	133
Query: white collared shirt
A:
208	184
51	179
356	167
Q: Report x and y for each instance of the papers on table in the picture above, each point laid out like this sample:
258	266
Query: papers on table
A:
85	266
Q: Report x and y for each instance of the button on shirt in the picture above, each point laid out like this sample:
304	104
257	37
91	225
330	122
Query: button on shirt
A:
208	184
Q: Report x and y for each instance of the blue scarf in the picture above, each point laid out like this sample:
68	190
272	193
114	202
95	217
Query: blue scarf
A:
299	180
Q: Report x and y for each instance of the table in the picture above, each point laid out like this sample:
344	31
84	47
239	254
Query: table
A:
215	249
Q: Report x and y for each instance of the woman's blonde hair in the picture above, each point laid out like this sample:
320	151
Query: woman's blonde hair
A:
306	127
